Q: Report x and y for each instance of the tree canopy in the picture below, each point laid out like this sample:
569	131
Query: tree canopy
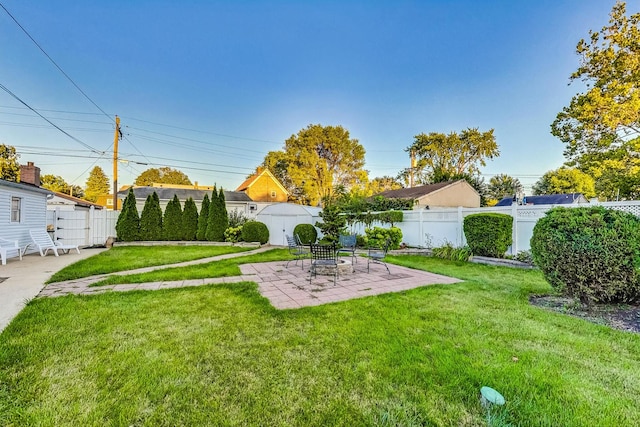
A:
439	157
9	166
163	175
57	183
316	160
609	110
97	184
503	185
565	180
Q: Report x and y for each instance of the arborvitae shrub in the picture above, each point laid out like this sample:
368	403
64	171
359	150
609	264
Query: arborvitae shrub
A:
128	224
488	234
307	233
255	231
590	253
172	223
333	223
189	220
203	219
216	225
151	219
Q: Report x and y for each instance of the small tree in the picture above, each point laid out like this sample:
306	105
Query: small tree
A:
172	223
333	225
218	220
151	219
203	219
190	220
128	224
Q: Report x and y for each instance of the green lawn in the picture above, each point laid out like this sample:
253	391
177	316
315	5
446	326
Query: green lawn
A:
121	258
221	355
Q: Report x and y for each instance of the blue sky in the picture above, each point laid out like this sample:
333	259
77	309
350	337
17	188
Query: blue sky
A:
209	87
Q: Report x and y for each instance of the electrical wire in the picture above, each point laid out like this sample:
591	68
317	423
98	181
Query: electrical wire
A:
3	87
54	62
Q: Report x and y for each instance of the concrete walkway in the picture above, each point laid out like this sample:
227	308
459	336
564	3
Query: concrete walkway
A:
21	281
284	287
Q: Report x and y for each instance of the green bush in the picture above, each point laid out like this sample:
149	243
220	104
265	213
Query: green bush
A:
128	224
589	253
376	237
203	219
255	231
448	251
233	234
306	232
151	219
189	220
172	220
488	234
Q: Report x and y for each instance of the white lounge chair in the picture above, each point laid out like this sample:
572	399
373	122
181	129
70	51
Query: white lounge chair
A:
44	243
8	247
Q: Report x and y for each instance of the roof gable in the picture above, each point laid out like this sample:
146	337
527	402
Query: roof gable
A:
255	177
416	192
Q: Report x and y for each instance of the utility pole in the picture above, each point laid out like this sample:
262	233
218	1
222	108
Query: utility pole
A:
116	137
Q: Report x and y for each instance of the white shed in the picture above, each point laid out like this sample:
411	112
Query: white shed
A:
281	219
22	207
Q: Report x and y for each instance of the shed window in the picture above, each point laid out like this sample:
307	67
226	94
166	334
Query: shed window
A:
16	208
273	194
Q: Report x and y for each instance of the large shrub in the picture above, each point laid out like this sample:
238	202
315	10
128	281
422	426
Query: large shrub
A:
255	231
488	234
151	219
172	221
128	224
218	220
189	220
377	236
203	219
590	253
307	233
333	223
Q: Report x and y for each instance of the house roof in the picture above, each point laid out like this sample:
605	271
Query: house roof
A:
547	199
77	201
253	178
182	193
415	192
24	186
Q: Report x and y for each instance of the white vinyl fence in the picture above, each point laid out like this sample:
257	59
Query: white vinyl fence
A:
420	228
83	228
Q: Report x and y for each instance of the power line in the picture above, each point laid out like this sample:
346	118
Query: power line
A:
49	121
54	62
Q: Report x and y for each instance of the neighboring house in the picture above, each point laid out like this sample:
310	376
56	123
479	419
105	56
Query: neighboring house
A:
547	199
106	201
22	207
234	200
65	202
442	194
264	187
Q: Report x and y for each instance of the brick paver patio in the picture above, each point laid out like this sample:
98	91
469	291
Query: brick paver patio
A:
284	287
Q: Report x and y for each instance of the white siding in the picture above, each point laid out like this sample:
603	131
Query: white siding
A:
33	214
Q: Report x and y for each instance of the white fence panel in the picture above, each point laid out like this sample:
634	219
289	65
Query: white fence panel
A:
83	228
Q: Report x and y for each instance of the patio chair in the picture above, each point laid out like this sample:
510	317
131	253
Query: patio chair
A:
297	250
348	246
8	247
376	255
323	256
43	242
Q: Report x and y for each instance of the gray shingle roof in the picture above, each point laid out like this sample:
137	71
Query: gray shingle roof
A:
414	192
183	194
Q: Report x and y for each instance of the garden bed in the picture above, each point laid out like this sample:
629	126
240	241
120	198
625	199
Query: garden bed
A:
625	317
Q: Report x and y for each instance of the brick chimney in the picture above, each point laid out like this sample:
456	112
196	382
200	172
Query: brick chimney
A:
30	174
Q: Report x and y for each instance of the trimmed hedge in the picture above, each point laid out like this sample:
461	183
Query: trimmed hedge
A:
377	236
488	234
590	253
307	233
255	231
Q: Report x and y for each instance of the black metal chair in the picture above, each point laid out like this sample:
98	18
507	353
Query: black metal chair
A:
348	246
323	256
298	251
376	255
